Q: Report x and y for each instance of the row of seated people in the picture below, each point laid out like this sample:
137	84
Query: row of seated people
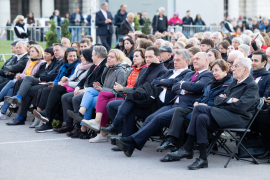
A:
151	92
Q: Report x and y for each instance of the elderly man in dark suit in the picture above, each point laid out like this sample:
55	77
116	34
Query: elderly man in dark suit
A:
233	109
104	21
187	90
126	25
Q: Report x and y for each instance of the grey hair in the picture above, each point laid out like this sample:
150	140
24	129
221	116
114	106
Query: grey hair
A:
246	40
208	34
160	40
181	43
268	49
24	43
248	32
246	62
218	34
237	39
101	51
185	53
238	54
66	39
245	47
160	9
195	39
103	4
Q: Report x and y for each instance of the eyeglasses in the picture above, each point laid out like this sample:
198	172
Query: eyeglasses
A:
21	20
236	66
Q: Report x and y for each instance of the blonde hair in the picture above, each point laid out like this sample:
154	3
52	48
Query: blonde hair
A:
167	43
128	61
39	49
199	35
120	56
183	39
18	18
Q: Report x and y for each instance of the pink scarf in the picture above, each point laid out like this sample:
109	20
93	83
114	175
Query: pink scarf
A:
85	65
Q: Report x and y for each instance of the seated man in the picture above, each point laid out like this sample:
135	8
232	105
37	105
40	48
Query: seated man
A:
166	57
232	56
188	89
15	64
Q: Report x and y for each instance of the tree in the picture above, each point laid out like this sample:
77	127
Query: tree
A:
146	30
64	29
52	34
137	26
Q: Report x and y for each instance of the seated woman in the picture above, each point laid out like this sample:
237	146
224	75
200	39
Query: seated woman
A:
129	48
213	55
176	132
233	109
32	66
64	86
223	46
84	101
116	93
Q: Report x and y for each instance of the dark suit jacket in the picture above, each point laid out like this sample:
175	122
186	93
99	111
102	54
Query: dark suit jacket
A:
238	114
73	17
58	20
16	66
264	84
195	88
168	83
102	26
125	28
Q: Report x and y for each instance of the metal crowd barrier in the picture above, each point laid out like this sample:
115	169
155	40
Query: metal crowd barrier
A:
190	30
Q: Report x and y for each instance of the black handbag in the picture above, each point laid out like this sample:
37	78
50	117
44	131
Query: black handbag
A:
254	145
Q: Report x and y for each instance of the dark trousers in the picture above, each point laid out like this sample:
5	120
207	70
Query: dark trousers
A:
27	83
123	113
263	125
156	121
3	82
70	102
106	40
201	121
27	99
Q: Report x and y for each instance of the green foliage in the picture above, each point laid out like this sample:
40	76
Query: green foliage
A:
137	26
146	30
64	29
51	35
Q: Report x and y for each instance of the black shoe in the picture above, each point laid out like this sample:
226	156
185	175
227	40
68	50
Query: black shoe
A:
110	130
168	159
113	141
268	161
77	134
13	110
181	153
13	100
126	147
42	115
74	131
84	135
15	122
46	127
116	149
75	115
167	146
265	155
199	163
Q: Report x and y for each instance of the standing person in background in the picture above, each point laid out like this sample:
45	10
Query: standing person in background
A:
126	25
119	18
88	23
21	33
198	21
140	19
56	18
228	26
30	19
160	21
76	19
187	20
105	21
175	20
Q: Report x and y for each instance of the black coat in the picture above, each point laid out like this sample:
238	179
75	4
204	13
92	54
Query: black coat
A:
125	28
93	75
155	24
237	115
169	64
264	84
168	83
73	17
153	71
119	18
58	20
102	26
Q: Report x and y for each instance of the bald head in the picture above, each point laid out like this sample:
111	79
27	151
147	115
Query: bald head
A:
201	61
130	17
65	42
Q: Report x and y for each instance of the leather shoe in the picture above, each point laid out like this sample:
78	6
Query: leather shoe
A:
168	159
13	100
126	147
181	153
110	130
166	146
63	129
74	131
265	155
268	161
199	163
113	141
116	149
75	115
15	122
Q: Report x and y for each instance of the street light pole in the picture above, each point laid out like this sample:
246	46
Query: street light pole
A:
93	20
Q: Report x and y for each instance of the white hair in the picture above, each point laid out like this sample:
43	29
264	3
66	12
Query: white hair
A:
64	38
218	34
237	53
248	32
208	34
268	49
185	53
193	39
246	40
160	9
23	42
246	62
257	31
237	39
160	40
245	47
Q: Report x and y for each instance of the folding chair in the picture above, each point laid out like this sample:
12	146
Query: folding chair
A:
242	132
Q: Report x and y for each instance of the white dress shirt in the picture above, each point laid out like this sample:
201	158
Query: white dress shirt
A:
175	73
104	13
20	56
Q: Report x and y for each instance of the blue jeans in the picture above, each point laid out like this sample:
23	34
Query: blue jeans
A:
89	101
6	91
76	34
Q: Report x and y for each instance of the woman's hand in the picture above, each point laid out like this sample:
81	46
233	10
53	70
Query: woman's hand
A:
118	87
64	79
61	83
97	86
18	76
